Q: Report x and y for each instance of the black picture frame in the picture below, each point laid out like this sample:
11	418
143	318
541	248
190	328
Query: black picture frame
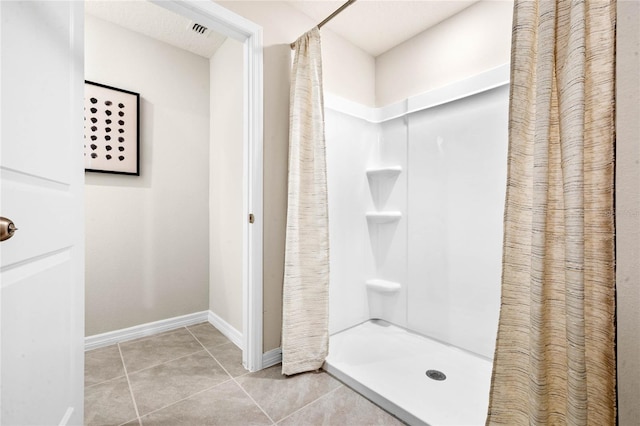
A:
111	129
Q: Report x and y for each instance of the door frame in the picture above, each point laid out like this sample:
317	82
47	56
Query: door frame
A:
229	24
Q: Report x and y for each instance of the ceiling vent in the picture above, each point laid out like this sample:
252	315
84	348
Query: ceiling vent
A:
199	29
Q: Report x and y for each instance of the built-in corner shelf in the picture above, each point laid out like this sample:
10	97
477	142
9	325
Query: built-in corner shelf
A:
384	172
383	286
382	181
383	217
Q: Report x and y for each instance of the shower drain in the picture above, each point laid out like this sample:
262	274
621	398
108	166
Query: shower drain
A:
436	375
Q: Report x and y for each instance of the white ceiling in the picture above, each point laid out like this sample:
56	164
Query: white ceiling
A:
378	25
373	25
156	22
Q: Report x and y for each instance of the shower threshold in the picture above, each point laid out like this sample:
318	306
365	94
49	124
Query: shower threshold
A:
389	365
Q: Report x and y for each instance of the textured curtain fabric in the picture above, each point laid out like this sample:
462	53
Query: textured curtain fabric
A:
305	310
555	353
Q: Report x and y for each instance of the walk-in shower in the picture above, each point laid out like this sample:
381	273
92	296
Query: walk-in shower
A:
416	195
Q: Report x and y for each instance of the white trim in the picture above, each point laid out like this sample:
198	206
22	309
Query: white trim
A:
157	327
479	83
391	111
354	109
252	286
272	357
235	26
225	328
143	330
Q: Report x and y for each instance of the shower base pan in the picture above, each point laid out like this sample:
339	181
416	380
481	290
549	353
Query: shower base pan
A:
389	365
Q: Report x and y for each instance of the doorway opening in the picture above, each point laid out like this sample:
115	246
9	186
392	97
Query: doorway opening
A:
245	39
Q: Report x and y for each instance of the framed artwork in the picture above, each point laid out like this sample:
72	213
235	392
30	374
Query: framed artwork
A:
111	130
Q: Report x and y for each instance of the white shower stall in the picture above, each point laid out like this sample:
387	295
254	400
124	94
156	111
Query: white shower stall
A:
416	199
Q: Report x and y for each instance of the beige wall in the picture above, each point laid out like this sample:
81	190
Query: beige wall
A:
147	239
628	210
348	72
226	185
475	40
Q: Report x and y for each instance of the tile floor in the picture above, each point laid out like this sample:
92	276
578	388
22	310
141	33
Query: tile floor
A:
194	376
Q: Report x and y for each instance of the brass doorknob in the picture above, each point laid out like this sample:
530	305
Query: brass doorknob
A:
7	228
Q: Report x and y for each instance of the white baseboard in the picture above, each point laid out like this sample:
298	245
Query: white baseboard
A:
227	329
143	330
272	357
269	358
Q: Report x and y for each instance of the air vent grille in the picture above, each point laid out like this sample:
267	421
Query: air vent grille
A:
199	29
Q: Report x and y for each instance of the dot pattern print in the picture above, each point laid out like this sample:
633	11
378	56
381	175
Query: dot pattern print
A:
95	150
110	130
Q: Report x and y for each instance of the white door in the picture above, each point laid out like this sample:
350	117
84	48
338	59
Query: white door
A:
41	165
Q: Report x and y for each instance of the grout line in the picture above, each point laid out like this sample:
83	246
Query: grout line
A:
312	402
228	342
112	378
234	380
197	340
129	421
185	398
133	398
155	365
104	381
213	356
213	346
254	401
210	354
203	349
167	361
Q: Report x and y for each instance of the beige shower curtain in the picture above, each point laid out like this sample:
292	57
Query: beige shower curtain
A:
305	316
555	353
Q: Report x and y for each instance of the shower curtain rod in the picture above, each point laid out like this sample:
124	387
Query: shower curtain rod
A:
333	15
336	13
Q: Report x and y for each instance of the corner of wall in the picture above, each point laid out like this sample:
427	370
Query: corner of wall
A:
226	183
